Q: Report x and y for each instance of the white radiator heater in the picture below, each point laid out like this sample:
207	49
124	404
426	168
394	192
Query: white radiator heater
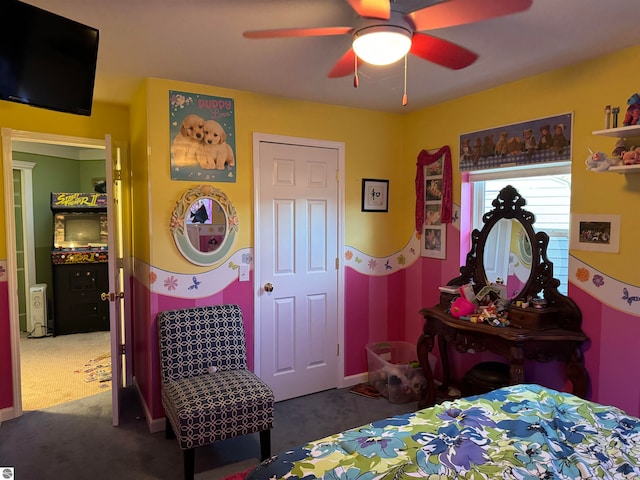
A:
37	322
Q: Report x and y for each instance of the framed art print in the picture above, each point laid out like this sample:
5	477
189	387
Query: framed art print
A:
375	195
595	232
434	241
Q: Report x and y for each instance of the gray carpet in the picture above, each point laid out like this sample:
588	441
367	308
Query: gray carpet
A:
75	440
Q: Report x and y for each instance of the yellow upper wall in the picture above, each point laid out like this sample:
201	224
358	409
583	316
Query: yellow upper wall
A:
583	89
105	119
377	145
139	176
373	149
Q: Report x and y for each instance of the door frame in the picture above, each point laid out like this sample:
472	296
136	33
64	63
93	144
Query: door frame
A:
260	249
26	173
8	136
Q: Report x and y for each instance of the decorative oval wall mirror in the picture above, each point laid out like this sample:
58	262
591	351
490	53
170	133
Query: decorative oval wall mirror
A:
204	225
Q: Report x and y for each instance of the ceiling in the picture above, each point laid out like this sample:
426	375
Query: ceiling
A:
201	41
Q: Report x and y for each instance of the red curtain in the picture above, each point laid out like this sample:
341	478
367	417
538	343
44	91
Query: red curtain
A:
426	158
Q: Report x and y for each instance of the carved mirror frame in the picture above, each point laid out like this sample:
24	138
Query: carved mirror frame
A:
509	205
179	222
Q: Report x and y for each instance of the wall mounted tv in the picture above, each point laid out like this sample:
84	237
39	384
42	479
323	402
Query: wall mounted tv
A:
46	60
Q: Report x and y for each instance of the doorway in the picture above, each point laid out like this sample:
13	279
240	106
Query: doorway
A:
298	269
46	146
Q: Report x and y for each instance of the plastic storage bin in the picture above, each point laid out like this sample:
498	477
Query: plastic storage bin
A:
395	372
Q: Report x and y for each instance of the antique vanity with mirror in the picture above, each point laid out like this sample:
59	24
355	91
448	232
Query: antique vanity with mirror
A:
204	224
543	324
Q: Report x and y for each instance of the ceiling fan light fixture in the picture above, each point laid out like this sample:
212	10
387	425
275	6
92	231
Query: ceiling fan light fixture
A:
382	44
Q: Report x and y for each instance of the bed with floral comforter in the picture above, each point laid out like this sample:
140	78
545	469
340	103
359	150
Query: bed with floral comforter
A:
519	432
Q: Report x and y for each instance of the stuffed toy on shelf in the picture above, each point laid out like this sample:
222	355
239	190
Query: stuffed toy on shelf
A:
632	117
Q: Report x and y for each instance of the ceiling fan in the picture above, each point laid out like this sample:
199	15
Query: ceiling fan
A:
404	21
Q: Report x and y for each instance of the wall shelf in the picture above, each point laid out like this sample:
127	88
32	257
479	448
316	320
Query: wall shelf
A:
620	132
624	169
630	131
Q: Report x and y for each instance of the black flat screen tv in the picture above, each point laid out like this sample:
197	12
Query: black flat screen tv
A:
46	60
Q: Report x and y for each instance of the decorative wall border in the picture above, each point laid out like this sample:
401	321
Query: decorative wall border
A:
199	285
614	293
380	266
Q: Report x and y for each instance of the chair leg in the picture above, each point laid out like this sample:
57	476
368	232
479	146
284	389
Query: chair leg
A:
168	429
189	463
265	444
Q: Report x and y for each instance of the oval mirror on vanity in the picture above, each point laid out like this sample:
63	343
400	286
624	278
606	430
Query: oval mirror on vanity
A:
508	255
507	247
204	224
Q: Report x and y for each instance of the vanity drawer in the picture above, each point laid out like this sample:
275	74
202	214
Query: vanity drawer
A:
533	318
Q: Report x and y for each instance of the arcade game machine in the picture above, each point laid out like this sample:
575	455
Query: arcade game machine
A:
79	258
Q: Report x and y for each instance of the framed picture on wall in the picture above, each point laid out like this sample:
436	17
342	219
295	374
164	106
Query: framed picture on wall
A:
537	141
596	233
434	241
375	195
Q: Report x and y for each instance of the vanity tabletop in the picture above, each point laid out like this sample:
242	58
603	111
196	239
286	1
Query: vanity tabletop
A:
511	333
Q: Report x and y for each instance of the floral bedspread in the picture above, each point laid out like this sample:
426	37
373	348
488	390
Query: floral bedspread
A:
520	432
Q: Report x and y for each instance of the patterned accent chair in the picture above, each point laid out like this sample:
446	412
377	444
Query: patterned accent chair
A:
207	392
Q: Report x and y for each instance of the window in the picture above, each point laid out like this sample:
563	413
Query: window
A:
547	191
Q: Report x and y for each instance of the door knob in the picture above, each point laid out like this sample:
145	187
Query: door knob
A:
104	296
268	287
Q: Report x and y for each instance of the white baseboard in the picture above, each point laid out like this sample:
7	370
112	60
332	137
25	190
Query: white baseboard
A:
7	414
352	380
155	424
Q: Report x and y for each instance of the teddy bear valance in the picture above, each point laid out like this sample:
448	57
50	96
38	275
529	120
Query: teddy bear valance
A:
518	145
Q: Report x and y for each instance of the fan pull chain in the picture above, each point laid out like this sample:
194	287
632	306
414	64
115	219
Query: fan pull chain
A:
356	81
404	96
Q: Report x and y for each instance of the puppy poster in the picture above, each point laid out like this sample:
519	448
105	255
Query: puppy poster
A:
202	137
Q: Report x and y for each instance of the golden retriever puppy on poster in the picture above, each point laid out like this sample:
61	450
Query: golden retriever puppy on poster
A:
217	152
187	146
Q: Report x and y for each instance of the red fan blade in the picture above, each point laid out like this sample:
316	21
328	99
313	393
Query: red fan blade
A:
372	8
345	66
298	32
461	12
441	51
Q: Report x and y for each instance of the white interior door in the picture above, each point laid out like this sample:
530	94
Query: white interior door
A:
297	238
116	274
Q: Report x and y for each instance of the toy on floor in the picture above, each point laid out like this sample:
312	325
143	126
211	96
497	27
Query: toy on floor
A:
399	383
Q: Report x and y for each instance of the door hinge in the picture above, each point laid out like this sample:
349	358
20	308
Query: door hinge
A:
337	349
337	263
122	349
338	176
117	175
120	262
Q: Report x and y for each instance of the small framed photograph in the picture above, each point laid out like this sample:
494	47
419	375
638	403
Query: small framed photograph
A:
434	242
595	232
433	189
375	195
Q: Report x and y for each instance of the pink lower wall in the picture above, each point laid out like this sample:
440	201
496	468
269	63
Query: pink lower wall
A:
612	356
148	304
